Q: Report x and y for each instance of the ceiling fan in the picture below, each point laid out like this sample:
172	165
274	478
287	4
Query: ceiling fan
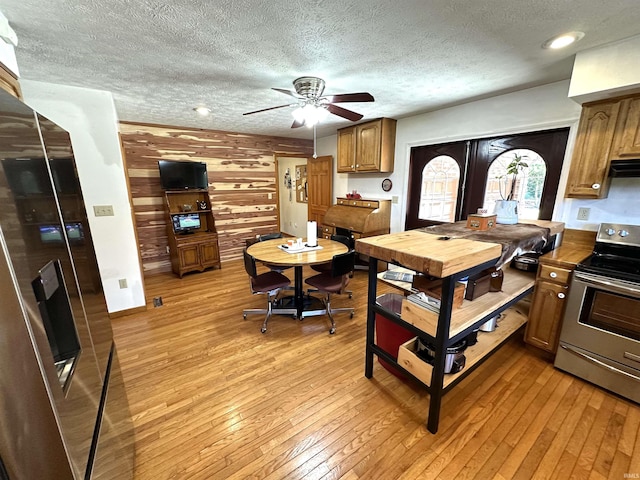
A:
312	104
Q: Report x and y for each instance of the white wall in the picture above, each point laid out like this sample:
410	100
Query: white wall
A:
607	71
90	118
8	53
534	109
293	214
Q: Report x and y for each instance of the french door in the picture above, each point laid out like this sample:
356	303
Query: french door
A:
449	181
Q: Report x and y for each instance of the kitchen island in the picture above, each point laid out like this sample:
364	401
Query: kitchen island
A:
450	259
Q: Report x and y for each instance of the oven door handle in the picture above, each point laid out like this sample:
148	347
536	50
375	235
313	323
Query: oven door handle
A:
609	284
599	363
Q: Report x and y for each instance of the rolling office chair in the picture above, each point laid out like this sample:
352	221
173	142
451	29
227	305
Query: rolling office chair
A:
335	282
326	267
263	238
268	283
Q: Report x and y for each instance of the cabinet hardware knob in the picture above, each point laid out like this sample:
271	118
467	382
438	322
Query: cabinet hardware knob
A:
357	165
595	186
561	295
553	274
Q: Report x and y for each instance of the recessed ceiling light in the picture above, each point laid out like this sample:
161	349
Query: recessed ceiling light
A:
564	40
204	111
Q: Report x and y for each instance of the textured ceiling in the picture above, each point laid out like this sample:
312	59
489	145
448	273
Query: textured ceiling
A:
162	58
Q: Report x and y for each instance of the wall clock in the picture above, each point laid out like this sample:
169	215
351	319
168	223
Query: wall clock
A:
386	184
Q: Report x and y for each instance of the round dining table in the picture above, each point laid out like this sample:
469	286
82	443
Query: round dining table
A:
276	252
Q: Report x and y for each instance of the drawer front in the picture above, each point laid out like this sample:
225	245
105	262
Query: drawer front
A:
343	201
328	230
368	203
554	274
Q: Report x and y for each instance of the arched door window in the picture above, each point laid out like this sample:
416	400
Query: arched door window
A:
439	191
528	187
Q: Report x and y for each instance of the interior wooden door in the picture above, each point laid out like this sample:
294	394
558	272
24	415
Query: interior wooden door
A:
320	187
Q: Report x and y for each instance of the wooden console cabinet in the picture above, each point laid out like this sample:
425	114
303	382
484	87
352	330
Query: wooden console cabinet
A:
198	249
367	147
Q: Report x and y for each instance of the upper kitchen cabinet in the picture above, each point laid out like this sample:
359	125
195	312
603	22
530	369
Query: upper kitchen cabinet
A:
367	147
627	138
588	176
608	130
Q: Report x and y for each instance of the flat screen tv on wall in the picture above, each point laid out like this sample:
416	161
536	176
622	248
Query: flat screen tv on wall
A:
176	175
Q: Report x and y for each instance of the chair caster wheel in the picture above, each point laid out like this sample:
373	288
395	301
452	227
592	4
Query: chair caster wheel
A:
244	316
332	331
351	314
263	330
350	296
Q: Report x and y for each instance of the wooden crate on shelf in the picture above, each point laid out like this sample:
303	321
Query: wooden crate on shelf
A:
409	360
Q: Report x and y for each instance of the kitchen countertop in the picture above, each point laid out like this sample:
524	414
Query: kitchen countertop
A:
427	253
576	246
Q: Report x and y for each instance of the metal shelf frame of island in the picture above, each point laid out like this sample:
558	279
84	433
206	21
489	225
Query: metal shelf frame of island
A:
450	260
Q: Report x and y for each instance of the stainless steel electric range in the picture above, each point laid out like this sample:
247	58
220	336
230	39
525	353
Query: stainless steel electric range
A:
600	338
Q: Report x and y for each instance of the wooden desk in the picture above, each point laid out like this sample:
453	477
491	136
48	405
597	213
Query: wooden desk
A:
268	252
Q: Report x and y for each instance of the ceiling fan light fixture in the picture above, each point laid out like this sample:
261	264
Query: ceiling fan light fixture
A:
310	114
563	40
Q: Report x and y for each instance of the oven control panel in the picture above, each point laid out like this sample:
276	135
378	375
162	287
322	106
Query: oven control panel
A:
621	234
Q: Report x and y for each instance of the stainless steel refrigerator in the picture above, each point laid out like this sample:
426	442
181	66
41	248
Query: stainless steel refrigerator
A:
63	406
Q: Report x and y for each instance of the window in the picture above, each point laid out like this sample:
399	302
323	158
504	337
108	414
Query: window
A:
439	193
434	197
528	188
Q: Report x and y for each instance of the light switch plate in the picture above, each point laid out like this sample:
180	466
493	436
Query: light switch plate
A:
103	210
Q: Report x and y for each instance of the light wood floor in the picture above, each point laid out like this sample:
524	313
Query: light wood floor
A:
213	398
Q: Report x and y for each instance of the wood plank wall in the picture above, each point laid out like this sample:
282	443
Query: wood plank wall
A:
242	183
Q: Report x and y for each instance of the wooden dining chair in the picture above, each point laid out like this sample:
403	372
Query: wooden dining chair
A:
334	282
269	284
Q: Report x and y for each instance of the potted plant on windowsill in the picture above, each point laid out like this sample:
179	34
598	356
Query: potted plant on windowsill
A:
507	208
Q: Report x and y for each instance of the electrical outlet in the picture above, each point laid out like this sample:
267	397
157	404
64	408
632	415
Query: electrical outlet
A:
394	199
103	210
583	214
123	283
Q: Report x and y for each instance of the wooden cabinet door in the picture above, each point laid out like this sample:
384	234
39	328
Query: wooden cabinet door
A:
368	141
628	144
189	256
588	174
346	150
545	316
209	255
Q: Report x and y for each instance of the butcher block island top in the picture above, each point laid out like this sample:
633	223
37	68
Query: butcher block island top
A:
427	253
449	249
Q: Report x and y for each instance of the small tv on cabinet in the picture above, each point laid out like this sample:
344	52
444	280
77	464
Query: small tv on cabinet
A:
186	223
75	233
50	234
175	175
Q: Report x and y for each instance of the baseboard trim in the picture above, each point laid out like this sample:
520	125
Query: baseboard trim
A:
129	311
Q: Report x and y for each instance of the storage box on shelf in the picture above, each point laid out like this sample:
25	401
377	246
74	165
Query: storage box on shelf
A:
451	261
511	320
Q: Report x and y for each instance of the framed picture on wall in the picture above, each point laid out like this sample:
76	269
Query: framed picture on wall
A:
301	183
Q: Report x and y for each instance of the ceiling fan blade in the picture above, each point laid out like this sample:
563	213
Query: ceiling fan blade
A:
297	124
351	97
267	109
287	92
343	112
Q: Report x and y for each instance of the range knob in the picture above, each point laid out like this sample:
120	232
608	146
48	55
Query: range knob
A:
623	233
610	231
